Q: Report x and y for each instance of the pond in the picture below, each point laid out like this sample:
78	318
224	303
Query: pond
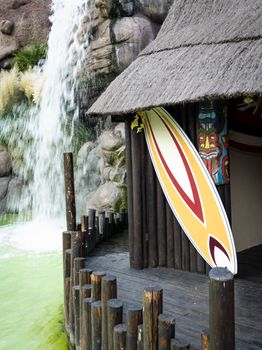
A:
31	289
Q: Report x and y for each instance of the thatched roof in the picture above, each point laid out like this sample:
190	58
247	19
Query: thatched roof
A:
205	49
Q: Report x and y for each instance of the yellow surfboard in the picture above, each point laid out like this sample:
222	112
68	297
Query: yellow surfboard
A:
189	189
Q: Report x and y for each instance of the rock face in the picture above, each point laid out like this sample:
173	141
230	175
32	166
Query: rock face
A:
10	186
22	23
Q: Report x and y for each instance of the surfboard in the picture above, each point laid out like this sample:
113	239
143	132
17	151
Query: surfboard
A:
189	189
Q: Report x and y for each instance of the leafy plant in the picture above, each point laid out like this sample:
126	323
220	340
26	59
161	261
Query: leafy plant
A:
10	92
28	57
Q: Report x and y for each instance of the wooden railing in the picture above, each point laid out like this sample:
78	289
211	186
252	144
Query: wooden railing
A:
93	313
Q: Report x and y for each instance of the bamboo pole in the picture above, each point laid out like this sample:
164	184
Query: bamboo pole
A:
69	192
161	225
170	236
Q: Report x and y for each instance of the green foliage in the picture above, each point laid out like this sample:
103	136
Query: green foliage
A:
28	57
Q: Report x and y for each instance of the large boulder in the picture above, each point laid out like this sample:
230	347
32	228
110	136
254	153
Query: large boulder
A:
107	197
4	181
14	192
23	23
5	162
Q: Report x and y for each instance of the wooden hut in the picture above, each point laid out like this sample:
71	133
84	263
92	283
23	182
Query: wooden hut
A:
206	51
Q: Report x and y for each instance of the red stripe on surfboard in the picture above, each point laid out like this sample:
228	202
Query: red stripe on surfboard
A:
196	205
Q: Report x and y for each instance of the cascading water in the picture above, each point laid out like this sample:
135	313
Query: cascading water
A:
30	255
50	125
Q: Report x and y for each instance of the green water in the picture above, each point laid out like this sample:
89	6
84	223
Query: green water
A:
31	294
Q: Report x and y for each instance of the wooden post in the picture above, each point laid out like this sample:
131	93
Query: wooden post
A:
144	156
166	331
134	319
76	291
221	309
120	336
84	229
137	200
69	192
170	236
109	291
79	263
177	245
66	301
152	214
96	280
85	276
178	345
153	307
91	228
96	315
114	316
140	337
161	225
205	340
86	336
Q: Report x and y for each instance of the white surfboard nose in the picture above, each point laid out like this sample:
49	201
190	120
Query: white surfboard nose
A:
219	255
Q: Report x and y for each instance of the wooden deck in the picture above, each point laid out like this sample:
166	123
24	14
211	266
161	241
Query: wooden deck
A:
185	294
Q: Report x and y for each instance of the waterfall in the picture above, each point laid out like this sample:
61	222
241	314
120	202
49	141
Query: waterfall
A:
50	125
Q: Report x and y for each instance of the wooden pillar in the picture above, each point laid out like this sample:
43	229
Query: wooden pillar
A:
69	192
221	309
140	337
134	319
129	190
205	340
76	291
120	336
115	317
161	225
96	316
96	281
166	331
151	214
170	236
137	200
153	307
86	335
109	291
144	155
178	345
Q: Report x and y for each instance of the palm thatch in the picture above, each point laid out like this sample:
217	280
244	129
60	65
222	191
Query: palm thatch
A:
206	49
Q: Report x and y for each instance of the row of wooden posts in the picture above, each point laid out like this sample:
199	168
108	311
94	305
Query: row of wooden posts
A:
94	315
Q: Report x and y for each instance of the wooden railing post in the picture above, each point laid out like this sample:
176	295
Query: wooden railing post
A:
86	336
140	337
120	336
69	192
134	319
221	309
178	345
166	331
153	307
96	282
109	291
114	317
96	325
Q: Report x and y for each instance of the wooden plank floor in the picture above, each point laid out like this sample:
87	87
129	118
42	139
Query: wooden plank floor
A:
185	295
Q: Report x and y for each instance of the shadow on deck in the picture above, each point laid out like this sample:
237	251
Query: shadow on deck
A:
186	293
